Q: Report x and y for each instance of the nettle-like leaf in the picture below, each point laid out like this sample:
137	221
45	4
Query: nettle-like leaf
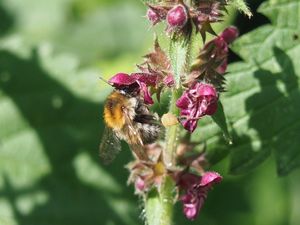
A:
50	131
263	99
273	108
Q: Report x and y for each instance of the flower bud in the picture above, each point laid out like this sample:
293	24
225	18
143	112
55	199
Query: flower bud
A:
153	16
230	34
140	184
177	17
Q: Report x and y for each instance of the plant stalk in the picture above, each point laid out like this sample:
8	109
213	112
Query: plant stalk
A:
159	203
172	132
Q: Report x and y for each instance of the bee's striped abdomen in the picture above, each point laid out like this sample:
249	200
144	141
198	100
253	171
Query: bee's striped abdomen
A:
150	132
149	127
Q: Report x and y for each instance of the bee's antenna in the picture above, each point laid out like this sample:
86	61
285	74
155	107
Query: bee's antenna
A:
104	80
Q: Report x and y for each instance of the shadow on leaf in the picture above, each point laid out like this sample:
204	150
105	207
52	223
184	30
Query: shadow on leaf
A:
6	20
65	130
273	124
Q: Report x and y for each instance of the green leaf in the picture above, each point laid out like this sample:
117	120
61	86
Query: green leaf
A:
50	119
51	108
84	28
263	101
220	119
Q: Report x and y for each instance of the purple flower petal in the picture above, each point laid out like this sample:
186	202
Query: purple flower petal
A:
206	90
190	125
147	78
138	81
147	96
193	201
199	100
230	34
169	80
196	189
210	178
121	79
140	184
186	180
183	102
191	211
210	105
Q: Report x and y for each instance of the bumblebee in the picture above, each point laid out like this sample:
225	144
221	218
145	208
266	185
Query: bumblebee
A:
127	118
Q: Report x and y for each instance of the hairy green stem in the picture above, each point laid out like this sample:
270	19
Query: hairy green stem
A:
159	203
179	54
171	138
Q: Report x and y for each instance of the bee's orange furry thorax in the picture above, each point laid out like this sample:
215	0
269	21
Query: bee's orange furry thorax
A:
113	110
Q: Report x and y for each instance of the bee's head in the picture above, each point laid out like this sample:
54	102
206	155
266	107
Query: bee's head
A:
131	90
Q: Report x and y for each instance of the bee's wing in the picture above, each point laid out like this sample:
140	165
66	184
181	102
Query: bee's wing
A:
110	145
136	143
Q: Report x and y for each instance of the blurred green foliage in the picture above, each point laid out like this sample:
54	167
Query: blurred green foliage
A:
51	54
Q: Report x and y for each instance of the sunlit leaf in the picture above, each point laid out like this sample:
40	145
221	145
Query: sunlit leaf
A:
262	103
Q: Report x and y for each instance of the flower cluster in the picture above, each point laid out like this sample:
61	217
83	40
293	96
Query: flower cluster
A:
204	82
200	86
180	16
193	188
145	175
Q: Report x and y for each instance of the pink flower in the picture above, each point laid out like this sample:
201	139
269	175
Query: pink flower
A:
219	47
196	189
135	83
199	100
